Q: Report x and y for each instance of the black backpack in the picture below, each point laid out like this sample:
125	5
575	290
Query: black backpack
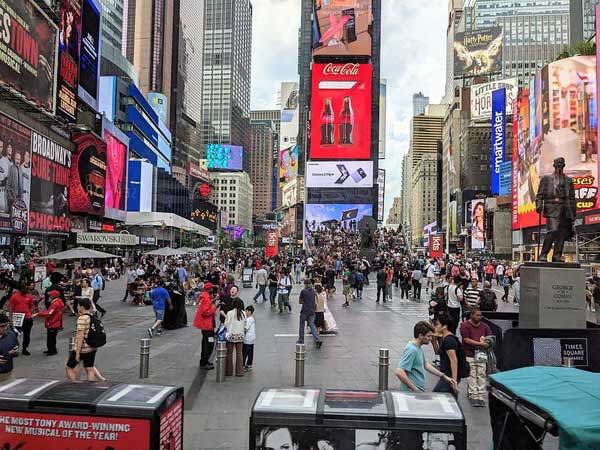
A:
464	368
96	336
487	300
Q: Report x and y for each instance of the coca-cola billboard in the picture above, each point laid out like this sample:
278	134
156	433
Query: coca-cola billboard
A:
341	111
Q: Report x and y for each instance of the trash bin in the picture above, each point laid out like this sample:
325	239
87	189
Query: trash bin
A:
356	420
59	415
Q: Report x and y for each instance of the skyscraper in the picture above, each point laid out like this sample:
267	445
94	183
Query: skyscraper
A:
419	103
113	62
261	166
583	20
226	72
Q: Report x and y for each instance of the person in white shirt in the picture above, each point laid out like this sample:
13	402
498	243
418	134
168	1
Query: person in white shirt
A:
249	339
455	300
430	273
499	274
284	287
261	284
140	272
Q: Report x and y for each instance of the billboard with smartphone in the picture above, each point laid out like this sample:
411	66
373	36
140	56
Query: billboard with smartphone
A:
342	27
341	111
339	174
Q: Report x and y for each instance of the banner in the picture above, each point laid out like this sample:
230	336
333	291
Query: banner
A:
107	239
272	244
498	131
116	171
28	52
89	62
380	194
288	134
436	245
341	111
478	52
481	97
49	198
205	214
68	59
342	27
15	175
339	174
505	178
88	175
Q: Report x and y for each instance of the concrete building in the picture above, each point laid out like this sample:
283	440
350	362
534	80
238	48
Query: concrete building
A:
395	213
582	20
272	118
233	193
419	103
455	11
226	69
423	197
426	131
261	167
406	191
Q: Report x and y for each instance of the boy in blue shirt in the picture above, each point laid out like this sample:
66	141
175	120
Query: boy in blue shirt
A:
412	366
160	298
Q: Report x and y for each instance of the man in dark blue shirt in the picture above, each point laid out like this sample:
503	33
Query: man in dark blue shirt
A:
160	298
9	347
307	313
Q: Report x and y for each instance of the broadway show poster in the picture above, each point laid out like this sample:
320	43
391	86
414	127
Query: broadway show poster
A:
68	59
32	431
171	427
116	175
478	52
28	51
342	27
88	175
49	198
15	175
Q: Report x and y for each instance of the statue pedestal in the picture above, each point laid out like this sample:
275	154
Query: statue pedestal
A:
552	296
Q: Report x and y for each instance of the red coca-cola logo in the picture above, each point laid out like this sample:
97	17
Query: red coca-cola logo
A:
341	69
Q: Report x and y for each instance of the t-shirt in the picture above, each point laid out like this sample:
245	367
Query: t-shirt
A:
159	297
83	324
468	330
471	297
308	300
453	293
250	336
413	363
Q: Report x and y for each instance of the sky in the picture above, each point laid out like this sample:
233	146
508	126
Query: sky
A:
412	60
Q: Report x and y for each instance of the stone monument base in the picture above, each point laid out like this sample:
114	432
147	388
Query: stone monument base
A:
552	296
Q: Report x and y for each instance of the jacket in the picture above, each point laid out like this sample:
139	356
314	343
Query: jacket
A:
205	315
546	193
20	303
54	315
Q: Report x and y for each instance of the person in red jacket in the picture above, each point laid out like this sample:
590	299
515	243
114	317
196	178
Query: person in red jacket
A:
205	321
53	321
21	302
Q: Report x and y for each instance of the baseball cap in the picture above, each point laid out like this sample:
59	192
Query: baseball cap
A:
208	286
54	293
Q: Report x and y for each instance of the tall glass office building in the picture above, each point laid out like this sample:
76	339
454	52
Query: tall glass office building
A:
113	61
226	71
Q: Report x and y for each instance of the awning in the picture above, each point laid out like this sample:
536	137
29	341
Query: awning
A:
157	219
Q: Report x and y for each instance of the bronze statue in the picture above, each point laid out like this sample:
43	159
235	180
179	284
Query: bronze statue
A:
556	201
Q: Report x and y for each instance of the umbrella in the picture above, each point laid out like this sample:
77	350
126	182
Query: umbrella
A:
168	251
79	253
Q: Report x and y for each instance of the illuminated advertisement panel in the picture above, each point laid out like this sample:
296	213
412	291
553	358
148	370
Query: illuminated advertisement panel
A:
88	175
478	52
116	171
335	216
89	52
288	133
224	157
557	117
341	111
336	174
481	97
68	59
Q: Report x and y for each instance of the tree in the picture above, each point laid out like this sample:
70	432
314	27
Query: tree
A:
583	48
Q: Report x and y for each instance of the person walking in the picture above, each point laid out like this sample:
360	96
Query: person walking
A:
272	286
284	287
472	294
499	274
473	332
82	351
21	302
131	276
97	285
307	313
160	301
388	282
417	276
404	281
235	324
455	300
381	284
9	349
346	287
517	290
261	284
53	321
249	339
320	307
489	272
205	321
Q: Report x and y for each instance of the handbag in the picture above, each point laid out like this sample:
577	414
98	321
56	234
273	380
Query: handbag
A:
234	338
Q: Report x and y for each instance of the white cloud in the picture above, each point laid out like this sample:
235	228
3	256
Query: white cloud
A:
412	60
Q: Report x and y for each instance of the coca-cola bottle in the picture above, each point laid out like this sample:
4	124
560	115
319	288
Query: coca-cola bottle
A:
347	123
327	124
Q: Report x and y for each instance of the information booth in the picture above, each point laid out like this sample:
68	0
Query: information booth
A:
356	420
59	415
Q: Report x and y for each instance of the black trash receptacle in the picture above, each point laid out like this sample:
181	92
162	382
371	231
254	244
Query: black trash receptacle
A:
59	415
356	420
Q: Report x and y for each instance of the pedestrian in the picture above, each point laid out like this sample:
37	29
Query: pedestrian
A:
160	301
499	274
381	284
53	321
9	349
249	339
307	313
205	321
97	285
473	332
82	351
360	283
298	268
430	276
452	358
517	291
506	283
131	276
346	287
320	307
284	287
261	284
472	294
455	300
21	302
488	301
235	324
412	366
416	278
388	282
272	286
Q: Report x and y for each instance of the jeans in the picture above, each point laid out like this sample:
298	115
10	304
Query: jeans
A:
380	290
499	280
26	330
272	294
416	289
404	290
444	386
311	324
208	344
95	299
261	291
389	291
248	353
455	314
51	334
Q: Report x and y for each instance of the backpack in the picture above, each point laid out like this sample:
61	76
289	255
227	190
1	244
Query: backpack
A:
96	336
487	300
464	368
352	278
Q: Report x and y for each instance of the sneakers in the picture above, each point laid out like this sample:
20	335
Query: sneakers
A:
25	353
150	332
208	366
248	368
319	344
346	305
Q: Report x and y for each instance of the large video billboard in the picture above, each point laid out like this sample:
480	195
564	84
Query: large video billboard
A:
224	157
205	214
335	216
556	117
88	175
28	52
68	59
89	51
342	27
341	111
288	133
116	172
336	174
481	97
478	52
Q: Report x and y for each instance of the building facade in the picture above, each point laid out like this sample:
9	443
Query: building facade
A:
395	213
406	189
419	103
233	194
113	61
261	167
583	20
423	196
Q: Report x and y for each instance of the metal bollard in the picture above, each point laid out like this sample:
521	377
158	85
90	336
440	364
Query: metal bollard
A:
221	355
71	344
300	360
568	362
144	357
384	367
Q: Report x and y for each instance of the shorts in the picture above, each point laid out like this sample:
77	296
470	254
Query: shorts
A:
88	359
160	314
346	290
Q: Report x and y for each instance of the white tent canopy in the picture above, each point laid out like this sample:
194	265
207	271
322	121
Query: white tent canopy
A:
157	219
79	253
167	251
